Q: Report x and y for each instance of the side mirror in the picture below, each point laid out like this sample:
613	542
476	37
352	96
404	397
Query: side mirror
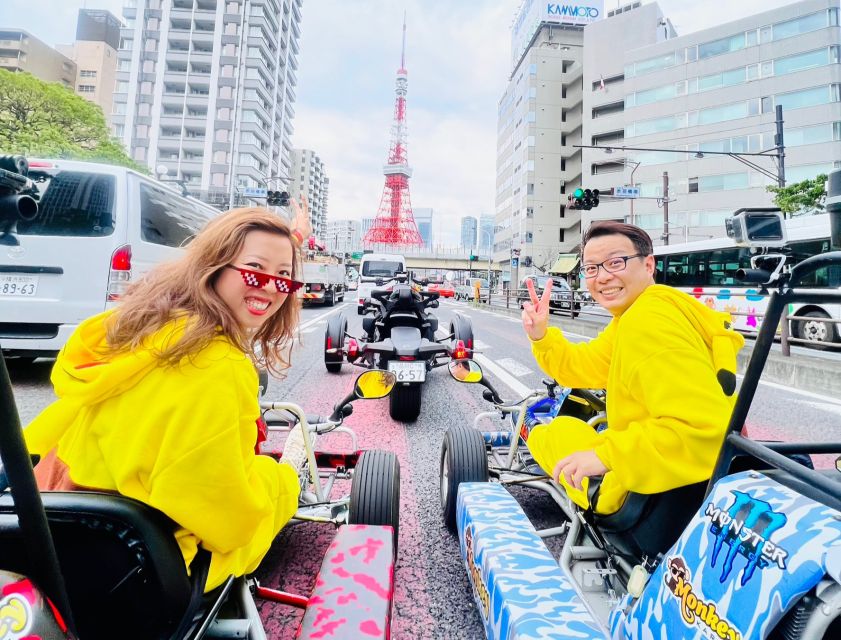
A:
433	304
425	281
465	370
838	463
374	384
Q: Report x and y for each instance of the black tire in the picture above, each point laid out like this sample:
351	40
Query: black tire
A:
329	298
404	402
462	329
819	334
375	491
335	334
463	459
360	310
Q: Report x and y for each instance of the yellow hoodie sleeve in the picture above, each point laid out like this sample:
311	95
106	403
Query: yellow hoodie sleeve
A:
670	373
206	475
584	365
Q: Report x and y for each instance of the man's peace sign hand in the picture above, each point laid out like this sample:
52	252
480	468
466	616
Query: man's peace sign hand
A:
536	313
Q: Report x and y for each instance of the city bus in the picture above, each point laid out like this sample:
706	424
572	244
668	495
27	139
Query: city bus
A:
707	270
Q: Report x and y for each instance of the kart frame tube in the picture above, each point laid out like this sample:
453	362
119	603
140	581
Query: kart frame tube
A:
734	442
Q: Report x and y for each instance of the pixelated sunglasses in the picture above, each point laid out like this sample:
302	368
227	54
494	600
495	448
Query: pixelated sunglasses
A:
258	280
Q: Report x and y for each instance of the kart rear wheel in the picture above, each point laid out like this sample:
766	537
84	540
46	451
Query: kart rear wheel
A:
462	329
375	491
463	459
404	402
334	338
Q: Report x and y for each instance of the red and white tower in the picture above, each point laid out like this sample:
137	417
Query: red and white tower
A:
395	224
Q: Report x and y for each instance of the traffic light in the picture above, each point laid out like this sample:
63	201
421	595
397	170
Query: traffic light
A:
473	258
585	199
277	198
527	261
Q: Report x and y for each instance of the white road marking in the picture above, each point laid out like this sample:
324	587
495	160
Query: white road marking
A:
514	367
800	392
502	375
318	318
825	406
481	346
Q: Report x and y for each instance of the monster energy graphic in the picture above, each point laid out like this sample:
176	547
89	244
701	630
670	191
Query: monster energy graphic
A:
745	527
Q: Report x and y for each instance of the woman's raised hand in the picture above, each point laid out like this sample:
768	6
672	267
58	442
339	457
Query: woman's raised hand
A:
301	221
536	313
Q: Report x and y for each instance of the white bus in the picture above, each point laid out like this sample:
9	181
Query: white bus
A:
707	270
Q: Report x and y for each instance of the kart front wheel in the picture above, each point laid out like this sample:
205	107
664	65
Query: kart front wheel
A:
375	491
463	459
334	338
404	402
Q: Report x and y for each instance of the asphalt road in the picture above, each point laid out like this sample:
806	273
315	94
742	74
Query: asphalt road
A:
433	597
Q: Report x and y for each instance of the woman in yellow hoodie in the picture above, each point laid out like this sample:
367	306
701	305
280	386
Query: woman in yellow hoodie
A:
668	364
158	397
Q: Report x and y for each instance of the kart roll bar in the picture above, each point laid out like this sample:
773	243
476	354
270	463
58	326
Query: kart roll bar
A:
772	454
32	518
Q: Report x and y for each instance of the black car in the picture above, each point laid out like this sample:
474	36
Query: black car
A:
563	297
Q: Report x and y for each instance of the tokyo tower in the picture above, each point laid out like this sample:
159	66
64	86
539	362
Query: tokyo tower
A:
395	224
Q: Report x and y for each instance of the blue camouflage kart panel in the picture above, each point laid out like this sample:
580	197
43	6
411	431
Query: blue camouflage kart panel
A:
520	590
497	438
752	550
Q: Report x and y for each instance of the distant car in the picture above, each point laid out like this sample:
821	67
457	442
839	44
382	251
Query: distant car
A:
444	289
563	297
352	284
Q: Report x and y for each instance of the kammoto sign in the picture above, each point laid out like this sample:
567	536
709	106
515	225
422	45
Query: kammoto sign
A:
533	13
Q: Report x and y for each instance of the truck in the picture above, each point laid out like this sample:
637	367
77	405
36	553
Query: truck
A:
324	278
376	268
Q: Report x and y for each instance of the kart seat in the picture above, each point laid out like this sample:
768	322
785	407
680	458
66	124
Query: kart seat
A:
649	524
123	569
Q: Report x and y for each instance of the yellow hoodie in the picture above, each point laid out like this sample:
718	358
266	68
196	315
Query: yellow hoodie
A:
180	439
668	364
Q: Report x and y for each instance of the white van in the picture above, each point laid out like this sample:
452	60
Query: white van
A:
373	267
98	227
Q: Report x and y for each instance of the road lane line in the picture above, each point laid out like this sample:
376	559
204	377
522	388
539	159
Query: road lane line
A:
800	392
308	323
502	375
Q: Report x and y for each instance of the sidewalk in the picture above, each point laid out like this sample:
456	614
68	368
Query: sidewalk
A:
816	373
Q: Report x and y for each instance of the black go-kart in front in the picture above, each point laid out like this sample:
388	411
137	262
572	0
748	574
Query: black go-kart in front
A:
399	336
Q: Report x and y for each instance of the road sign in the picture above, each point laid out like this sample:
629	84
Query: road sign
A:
255	192
515	262
626	192
356	255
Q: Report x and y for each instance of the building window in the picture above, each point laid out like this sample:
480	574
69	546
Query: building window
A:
87	73
723	45
801	61
608	109
86	88
561	231
803	24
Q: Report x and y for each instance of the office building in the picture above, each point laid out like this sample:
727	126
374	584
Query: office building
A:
539	121
469	228
485	233
343	236
710	92
308	177
423	219
205	91
95	55
21	51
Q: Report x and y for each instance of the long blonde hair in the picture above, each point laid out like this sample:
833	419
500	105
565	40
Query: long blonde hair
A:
185	287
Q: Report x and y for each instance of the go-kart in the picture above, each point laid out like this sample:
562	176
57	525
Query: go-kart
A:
94	565
754	553
399	336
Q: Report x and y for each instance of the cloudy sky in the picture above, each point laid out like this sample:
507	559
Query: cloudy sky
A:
457	58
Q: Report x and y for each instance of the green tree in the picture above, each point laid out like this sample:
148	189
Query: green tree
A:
801	197
46	119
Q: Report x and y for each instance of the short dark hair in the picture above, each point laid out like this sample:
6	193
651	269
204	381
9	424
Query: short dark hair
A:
641	239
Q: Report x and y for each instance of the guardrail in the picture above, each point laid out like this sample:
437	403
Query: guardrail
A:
585	308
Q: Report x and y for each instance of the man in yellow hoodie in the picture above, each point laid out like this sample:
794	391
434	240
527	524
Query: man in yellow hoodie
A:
668	364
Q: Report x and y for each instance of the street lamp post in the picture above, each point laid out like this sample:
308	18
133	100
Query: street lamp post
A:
490	243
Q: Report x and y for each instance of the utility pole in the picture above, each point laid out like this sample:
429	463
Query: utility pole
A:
665	207
779	143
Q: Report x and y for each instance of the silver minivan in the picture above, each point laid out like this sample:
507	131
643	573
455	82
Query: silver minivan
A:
98	228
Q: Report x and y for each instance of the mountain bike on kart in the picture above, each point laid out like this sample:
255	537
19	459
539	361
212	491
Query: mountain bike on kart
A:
754	553
399	336
97	565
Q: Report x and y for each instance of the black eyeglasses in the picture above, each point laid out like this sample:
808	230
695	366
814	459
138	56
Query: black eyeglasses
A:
611	265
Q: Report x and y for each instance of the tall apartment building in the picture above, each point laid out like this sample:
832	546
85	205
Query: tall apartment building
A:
485	233
307	176
95	55
343	235
469	227
206	88
423	218
21	51
539	121
710	91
